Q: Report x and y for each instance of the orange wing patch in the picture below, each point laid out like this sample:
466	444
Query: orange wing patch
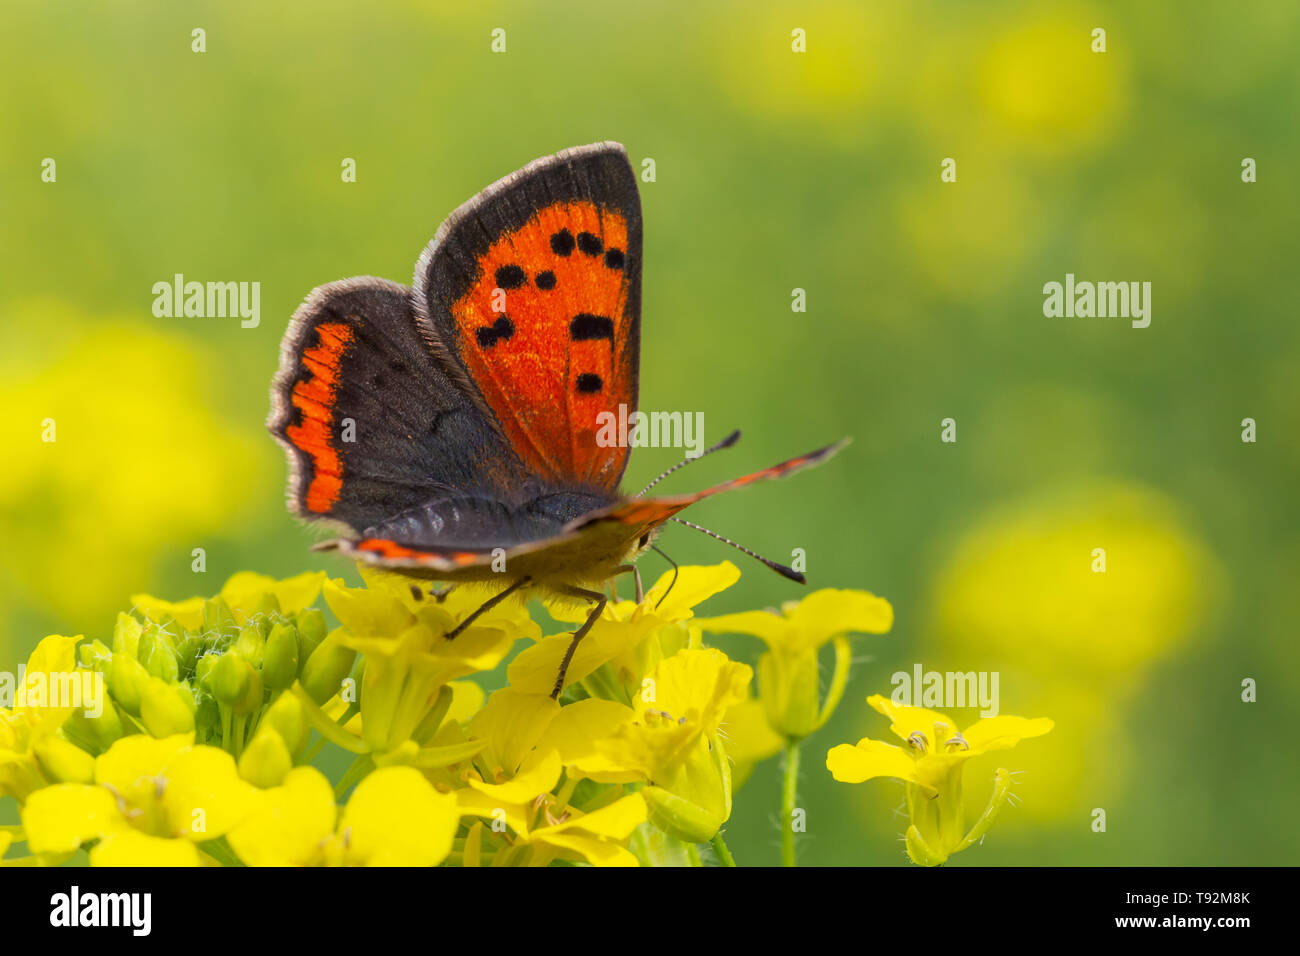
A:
314	397
545	333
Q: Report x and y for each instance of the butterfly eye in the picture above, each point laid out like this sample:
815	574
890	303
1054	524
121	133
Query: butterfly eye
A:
645	540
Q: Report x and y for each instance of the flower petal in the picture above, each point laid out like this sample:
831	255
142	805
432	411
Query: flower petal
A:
1003	733
204	795
829	612
60	818
396	818
867	759
133	848
905	721
290	823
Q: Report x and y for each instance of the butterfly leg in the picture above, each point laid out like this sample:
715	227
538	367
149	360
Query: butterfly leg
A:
486	606
636	576
600	600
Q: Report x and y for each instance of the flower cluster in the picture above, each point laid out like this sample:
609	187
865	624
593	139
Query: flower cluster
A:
191	736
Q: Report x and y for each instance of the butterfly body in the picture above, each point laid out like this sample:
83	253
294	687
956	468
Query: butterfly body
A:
452	430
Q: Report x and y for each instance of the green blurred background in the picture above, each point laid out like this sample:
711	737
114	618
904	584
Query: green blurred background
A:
775	171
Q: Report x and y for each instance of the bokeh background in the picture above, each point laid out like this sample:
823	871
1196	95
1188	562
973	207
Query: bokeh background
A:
775	171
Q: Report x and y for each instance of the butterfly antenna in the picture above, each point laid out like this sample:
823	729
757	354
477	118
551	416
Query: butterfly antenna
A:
676	571
778	567
725	443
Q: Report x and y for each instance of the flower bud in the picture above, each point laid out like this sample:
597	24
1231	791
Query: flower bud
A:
126	635
95	734
251	645
266	760
94	654
280	659
229	679
329	664
311	631
266	613
219	622
287	718
126	679
160	660
166	708
207	716
63	761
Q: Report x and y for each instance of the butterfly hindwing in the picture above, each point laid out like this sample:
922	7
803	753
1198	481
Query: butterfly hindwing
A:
536	285
374	422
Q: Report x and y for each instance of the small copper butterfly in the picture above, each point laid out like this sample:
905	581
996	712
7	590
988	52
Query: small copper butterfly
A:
450	429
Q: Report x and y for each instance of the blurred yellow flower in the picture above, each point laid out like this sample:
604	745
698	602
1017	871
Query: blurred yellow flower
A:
1042	81
136	444
1024	593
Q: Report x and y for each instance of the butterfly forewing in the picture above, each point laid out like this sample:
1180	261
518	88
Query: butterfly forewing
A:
536	285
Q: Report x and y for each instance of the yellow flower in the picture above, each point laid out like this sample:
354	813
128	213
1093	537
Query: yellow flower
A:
931	766
31	752
151	802
408	659
672	741
510	726
545	831
619	637
788	674
394	818
243	592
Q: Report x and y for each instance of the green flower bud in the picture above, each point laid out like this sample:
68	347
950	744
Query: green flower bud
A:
287	718
161	661
252	698
64	761
219	622
311	631
203	668
95	655
280	659
229	679
126	635
166	708
94	734
266	760
251	645
207	716
267	613
126	679
329	664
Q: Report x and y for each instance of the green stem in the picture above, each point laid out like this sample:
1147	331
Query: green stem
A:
789	799
720	848
693	855
360	767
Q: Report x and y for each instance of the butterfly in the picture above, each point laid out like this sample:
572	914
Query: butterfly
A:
451	431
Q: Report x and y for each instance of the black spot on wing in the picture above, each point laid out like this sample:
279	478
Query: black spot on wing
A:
562	242
546	280
614	258
589	382
585	327
489	335
590	244
510	277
